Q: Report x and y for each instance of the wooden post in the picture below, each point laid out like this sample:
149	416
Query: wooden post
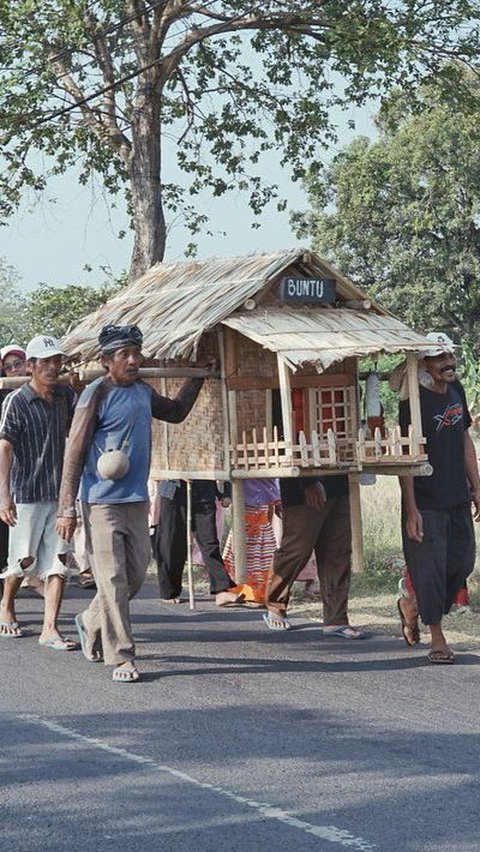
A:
227	431
286	401
356	522
414	397
239	539
191	590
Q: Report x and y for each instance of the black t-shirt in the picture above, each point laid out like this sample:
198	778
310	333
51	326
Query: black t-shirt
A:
445	419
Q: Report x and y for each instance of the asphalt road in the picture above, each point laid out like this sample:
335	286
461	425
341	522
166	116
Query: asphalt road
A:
237	738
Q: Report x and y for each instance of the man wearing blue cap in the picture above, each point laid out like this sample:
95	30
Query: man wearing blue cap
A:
108	456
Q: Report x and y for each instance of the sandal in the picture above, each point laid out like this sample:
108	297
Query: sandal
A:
446	657
126	674
344	631
10	629
94	653
276	622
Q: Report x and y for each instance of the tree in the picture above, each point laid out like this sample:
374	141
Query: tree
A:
11	300
401	215
104	84
46	310
54	310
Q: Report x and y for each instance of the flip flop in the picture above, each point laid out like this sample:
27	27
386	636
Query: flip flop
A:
441	657
276	622
7	626
409	627
344	631
96	656
124	674
59	644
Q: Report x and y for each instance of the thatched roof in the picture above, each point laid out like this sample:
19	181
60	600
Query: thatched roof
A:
322	337
175	303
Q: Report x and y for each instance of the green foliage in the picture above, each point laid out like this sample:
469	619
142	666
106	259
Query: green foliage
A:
46	310
12	301
384	364
470	374
401	215
229	82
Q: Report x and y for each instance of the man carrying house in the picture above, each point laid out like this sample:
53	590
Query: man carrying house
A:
109	456
316	516
437	528
33	430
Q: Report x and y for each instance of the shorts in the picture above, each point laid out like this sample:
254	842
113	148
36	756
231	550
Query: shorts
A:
35	535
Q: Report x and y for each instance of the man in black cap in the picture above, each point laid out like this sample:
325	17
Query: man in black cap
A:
108	455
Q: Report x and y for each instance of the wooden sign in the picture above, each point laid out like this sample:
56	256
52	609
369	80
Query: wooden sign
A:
308	290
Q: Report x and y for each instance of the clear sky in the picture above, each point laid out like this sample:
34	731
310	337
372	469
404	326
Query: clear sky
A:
52	241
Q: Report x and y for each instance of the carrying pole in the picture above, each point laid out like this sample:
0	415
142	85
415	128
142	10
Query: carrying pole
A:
191	588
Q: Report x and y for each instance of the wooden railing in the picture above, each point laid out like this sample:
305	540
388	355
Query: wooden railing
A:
267	451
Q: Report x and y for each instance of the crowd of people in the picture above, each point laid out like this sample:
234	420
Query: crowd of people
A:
93	488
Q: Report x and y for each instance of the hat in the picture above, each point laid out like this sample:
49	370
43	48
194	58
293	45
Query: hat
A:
441	345
13	349
44	347
113	337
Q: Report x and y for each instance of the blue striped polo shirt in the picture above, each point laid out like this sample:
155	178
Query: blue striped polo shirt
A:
37	431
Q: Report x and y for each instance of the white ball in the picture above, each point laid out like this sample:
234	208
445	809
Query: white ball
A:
113	464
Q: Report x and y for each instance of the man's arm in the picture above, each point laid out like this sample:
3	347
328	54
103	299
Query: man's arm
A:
471	469
414	523
8	512
175	410
81	433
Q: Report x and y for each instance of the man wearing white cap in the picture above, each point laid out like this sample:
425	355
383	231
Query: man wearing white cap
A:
437	528
33	430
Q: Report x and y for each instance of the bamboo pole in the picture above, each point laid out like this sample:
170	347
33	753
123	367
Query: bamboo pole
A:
414	396
356	522
90	375
268	473
191	589
286	402
225	405
239	539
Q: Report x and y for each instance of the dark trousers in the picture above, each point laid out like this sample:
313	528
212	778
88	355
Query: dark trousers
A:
327	532
3	548
170	545
441	563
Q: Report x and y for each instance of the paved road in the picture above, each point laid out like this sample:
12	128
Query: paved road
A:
237	739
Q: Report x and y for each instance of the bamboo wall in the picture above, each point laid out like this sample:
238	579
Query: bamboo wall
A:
197	444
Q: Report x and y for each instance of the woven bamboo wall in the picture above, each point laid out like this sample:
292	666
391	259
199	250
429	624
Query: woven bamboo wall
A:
197	443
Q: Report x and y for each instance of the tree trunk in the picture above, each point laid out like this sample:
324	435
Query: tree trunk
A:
146	190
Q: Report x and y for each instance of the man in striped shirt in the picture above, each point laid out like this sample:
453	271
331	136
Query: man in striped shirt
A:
33	430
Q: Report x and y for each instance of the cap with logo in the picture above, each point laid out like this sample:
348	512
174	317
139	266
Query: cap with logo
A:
441	344
12	349
44	347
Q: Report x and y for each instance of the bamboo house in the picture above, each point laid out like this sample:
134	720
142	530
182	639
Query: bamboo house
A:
287	331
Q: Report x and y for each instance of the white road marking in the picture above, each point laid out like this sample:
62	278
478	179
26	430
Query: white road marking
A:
325	832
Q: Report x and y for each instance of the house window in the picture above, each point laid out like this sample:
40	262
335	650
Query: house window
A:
330	408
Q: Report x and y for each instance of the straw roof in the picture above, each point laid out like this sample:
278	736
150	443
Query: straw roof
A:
175	303
322	336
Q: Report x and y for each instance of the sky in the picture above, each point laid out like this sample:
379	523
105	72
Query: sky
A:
73	226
